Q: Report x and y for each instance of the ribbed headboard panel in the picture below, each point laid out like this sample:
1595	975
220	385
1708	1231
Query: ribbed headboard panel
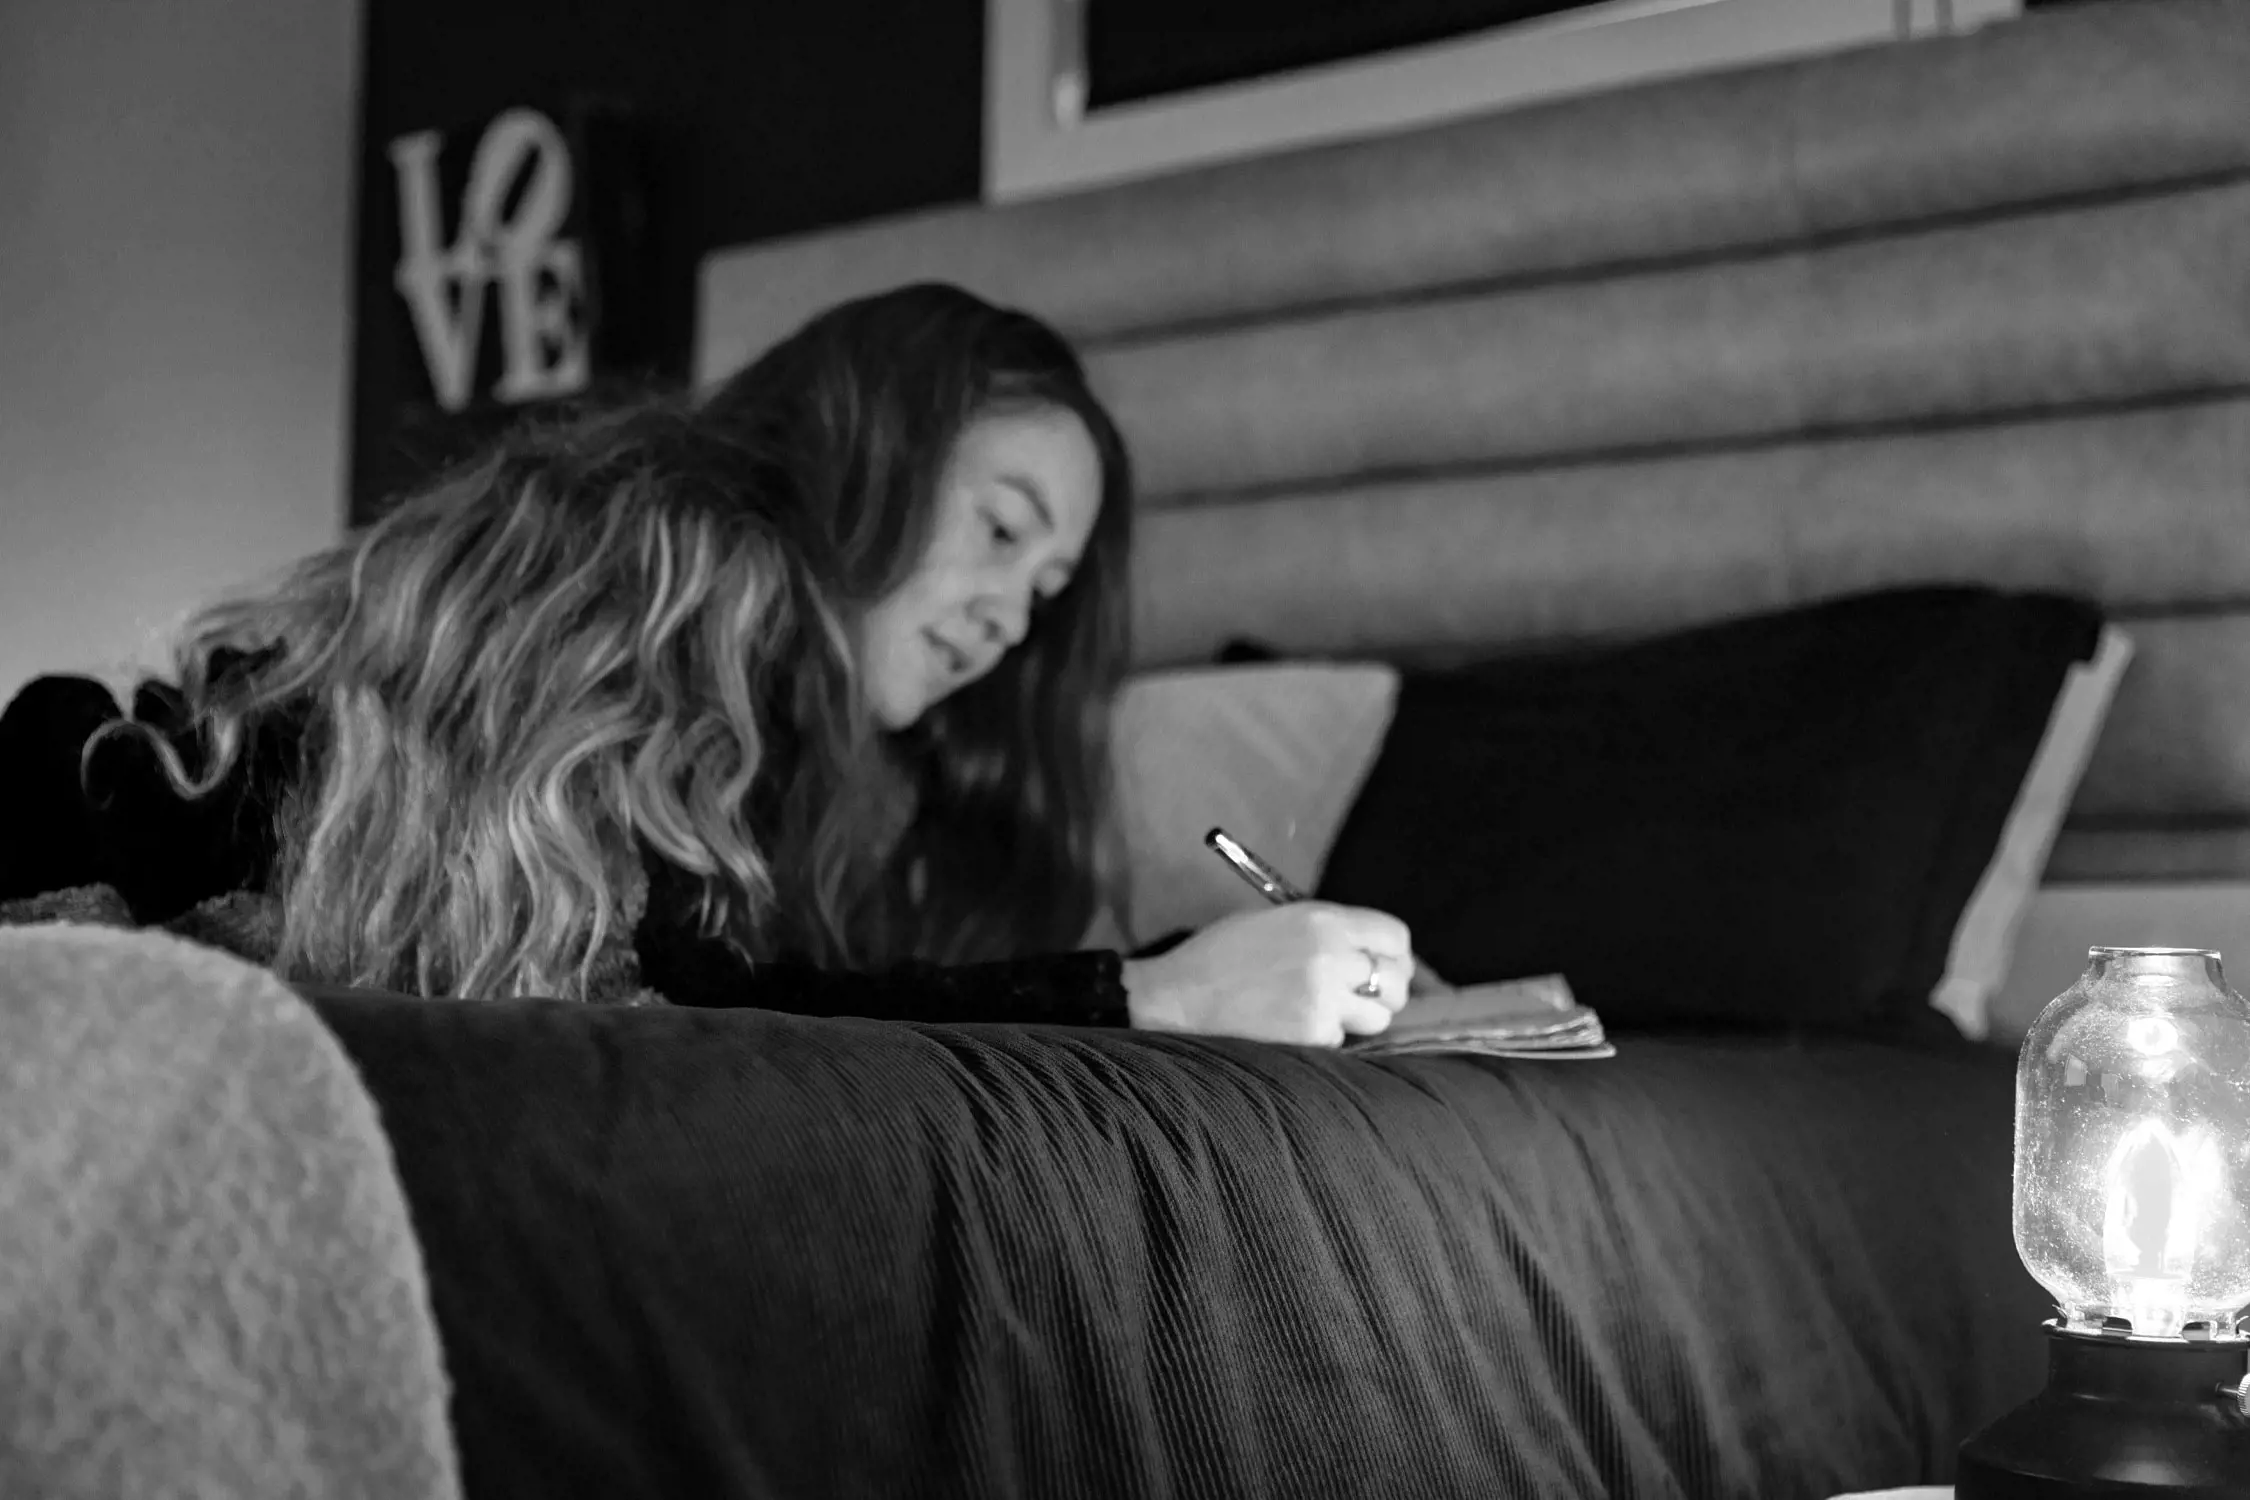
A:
2063	307
1967	309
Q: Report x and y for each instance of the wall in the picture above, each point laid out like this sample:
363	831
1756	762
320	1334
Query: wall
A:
175	191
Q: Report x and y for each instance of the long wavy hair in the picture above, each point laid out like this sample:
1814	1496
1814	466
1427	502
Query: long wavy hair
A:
983	832
507	685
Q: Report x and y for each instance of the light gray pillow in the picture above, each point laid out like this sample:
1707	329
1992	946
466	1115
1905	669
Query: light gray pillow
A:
1984	940
1273	753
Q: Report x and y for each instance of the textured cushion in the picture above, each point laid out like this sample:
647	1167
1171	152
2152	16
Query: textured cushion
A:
209	1282
2141	510
1775	820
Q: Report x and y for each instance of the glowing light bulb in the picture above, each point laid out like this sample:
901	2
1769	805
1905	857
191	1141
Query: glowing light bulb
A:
2160	1187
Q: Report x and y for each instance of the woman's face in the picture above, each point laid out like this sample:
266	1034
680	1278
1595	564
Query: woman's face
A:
1015	506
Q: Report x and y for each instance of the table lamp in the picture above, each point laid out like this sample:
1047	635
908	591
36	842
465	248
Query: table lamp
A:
2132	1207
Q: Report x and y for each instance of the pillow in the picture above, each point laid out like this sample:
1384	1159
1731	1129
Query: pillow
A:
1776	820
1984	942
1272	754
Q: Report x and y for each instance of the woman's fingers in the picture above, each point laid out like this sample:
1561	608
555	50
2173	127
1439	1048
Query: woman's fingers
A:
1376	931
1363	1017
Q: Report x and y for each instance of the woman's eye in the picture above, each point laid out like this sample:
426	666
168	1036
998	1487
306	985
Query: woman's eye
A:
1002	533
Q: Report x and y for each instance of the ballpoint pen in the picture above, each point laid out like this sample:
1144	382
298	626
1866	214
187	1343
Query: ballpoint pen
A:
1264	878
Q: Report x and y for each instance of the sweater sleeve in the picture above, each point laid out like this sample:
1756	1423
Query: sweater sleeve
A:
1068	989
687	968
50	842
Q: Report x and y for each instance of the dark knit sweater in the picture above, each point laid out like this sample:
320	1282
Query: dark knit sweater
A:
185	864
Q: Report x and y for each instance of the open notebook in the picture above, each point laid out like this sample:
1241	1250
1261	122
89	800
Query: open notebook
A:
1529	1018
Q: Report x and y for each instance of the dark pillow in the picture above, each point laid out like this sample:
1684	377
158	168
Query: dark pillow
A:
1776	820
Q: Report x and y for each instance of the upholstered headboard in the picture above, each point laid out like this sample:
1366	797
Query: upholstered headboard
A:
1974	308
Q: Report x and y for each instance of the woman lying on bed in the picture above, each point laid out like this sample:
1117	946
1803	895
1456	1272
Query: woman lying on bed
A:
796	699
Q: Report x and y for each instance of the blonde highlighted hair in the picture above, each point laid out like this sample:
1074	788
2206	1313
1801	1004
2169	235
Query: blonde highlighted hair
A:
506	686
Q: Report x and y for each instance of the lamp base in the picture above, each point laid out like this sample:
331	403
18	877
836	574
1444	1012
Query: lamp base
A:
2120	1417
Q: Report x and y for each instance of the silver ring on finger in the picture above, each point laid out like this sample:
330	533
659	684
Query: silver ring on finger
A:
1372	986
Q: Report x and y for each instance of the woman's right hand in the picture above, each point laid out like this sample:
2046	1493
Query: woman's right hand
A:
1280	974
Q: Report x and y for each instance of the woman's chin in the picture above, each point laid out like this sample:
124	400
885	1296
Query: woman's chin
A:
898	710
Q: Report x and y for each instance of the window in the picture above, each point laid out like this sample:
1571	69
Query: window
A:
1079	92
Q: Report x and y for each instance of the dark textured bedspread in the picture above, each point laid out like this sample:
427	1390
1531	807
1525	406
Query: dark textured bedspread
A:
704	1253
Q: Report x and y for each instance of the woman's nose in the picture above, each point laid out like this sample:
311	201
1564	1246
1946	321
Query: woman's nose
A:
1005	616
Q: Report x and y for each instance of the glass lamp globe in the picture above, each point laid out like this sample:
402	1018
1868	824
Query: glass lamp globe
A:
2132	1150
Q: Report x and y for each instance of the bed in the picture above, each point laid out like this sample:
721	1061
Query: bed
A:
693	1253
1966	311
